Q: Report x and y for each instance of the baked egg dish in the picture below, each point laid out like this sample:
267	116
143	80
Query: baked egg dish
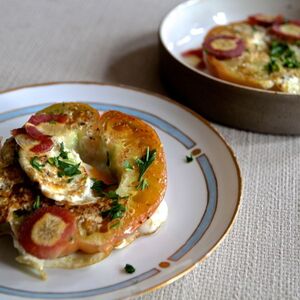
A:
74	185
262	51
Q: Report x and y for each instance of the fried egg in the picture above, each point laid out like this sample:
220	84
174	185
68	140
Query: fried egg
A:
46	169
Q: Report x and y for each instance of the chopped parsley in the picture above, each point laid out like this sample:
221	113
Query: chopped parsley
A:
129	269
63	154
36	164
116	224
127	165
37	203
281	54
189	159
116	211
143	164
272	66
65	168
143	184
53	161
99	186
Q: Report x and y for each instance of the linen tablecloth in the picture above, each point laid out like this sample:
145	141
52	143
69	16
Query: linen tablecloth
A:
116	41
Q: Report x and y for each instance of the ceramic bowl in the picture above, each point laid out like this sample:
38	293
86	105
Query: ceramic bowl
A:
224	102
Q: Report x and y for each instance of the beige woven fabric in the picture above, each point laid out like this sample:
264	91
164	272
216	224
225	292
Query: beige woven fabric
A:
116	41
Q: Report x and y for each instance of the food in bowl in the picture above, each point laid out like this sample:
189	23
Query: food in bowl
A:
261	52
75	185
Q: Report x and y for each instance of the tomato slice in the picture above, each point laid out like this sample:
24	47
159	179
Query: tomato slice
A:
42	118
48	232
224	46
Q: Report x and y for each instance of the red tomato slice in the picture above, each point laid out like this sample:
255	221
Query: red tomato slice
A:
44	146
42	118
48	232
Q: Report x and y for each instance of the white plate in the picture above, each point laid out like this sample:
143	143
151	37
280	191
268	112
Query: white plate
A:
203	197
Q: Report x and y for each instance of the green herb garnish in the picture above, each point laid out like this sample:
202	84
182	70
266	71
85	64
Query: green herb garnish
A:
99	186
143	164
143	184
272	66
114	225
127	166
115	212
188	159
53	161
281	53
129	269
36	164
63	154
112	195
37	203
67	169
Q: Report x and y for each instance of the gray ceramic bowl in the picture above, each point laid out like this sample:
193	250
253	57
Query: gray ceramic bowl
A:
218	100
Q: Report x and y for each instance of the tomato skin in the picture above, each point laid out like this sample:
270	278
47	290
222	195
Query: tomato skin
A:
67	239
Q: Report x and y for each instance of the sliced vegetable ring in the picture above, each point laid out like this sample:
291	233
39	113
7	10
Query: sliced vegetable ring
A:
224	46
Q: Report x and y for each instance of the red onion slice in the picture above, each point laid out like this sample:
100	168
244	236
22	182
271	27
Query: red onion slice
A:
289	30
44	146
34	133
265	20
232	46
18	131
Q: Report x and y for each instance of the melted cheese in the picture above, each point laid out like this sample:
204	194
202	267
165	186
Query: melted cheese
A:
159	217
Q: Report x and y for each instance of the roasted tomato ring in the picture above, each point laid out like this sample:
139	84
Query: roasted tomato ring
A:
232	46
265	20
289	30
48	232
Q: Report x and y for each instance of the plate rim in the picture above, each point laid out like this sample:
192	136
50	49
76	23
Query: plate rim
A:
199	72
199	117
